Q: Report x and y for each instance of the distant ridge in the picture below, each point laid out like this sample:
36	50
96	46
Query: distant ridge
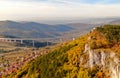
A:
31	29
39	30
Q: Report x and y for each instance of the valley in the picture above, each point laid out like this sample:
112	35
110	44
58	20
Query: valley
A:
76	53
94	55
59	38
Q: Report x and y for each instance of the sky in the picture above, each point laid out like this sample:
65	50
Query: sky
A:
52	10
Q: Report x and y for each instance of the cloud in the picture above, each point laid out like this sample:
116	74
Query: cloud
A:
56	9
69	1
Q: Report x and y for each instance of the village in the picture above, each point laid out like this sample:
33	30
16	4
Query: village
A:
11	67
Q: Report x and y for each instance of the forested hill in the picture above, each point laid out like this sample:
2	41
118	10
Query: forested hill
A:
31	29
95	55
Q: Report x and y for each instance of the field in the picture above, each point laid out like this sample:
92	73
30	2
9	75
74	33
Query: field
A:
13	57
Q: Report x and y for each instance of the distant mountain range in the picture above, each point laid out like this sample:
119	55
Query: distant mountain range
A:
38	30
31	29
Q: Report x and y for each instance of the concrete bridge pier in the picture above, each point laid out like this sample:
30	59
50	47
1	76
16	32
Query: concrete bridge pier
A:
21	41
33	42
47	43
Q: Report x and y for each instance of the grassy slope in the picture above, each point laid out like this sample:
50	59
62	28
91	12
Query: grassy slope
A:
63	62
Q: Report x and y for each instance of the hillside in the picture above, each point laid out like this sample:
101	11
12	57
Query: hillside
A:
95	55
31	29
82	26
39	30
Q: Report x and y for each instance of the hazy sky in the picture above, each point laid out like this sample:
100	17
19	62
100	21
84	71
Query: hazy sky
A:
57	9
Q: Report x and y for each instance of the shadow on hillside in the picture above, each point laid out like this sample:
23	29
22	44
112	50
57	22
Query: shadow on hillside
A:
36	44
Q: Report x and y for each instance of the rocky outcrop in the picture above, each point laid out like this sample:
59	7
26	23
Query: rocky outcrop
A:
105	59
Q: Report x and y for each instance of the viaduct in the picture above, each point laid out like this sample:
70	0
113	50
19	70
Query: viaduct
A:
21	40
